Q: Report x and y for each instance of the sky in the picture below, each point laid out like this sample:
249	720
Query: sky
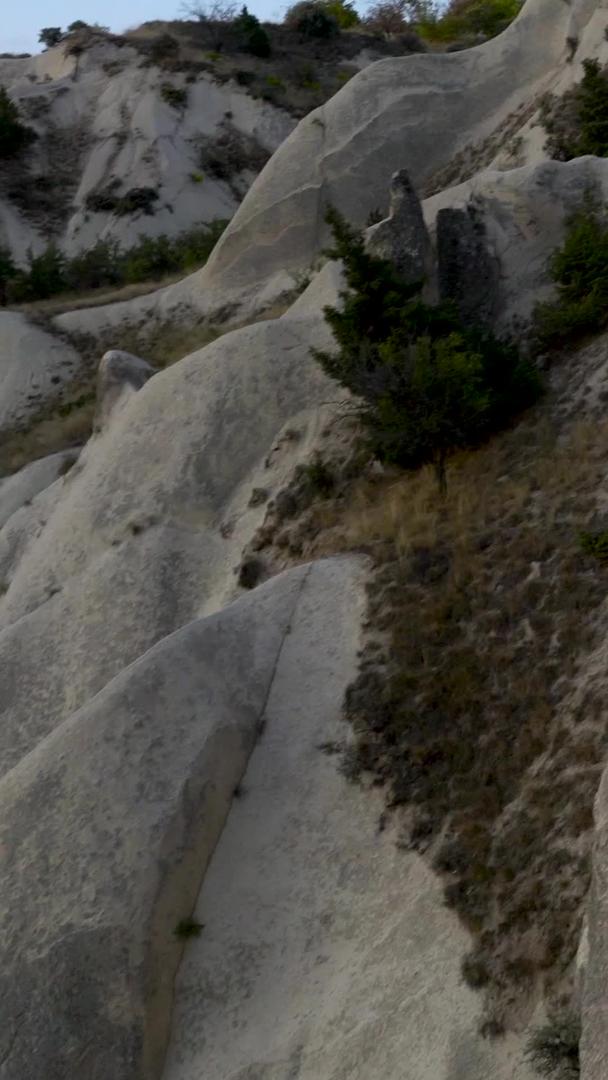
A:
22	19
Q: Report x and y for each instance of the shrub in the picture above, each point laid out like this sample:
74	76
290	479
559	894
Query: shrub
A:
388	16
312	19
579	269
44	277
175	96
13	134
105	265
251	34
50	36
343	11
466	18
107	201
163	48
429	385
595	544
78	24
553	1050
577	123
230	153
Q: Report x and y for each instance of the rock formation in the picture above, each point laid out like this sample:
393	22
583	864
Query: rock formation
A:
190	886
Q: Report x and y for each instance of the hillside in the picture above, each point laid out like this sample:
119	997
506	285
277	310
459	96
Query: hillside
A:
155	132
303	745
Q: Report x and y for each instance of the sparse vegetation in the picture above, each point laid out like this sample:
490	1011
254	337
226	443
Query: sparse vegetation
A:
428	384
595	544
577	122
175	96
579	269
553	1050
105	265
229	154
136	200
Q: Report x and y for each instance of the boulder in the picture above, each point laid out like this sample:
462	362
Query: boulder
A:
119	375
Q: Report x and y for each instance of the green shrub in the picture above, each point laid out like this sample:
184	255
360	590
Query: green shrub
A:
596	544
429	385
45	276
175	96
553	1050
105	265
14	135
467	18
343	11
50	36
251	33
579	269
577	123
312	19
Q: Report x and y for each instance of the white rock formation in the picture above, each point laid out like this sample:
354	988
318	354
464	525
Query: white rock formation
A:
132	690
104	127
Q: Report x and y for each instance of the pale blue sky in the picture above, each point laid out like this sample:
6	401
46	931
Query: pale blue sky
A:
22	19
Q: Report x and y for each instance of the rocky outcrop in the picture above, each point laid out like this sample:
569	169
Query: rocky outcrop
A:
414	112
403	236
120	374
467	272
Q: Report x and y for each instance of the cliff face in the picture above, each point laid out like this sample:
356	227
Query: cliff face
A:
190	885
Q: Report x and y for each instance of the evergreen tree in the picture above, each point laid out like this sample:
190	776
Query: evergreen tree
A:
428	385
13	134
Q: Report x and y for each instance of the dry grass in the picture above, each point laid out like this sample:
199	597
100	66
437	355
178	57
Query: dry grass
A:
58	305
467	705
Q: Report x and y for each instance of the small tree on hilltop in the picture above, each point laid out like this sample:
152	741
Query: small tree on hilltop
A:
50	36
254	38
428	385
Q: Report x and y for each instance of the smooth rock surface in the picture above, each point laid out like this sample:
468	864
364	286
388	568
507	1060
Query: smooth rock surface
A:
35	366
327	953
118	811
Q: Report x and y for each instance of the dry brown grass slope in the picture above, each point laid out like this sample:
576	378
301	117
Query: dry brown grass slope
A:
471	706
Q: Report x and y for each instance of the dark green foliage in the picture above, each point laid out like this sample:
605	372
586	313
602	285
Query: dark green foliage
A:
14	135
251	34
313	19
577	123
50	35
44	277
188	928
553	1050
428	384
106	200
579	269
596	544
78	24
175	96
105	265
592	101
318	478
